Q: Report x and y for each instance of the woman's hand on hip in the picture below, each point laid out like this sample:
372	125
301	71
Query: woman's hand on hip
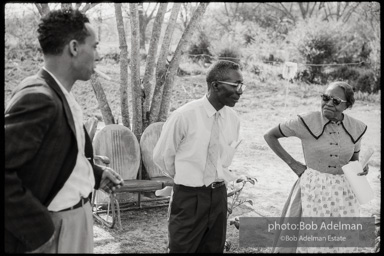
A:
298	167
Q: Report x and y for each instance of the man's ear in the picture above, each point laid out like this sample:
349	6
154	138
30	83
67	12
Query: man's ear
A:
214	85
73	47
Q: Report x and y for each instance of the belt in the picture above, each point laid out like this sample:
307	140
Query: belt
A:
216	184
213	185
82	202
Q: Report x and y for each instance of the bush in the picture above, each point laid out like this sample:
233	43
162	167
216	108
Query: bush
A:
365	82
200	49
230	53
317	49
316	42
344	73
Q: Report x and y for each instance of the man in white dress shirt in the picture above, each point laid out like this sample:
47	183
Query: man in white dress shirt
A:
192	145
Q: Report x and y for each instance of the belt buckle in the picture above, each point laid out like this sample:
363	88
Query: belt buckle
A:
213	185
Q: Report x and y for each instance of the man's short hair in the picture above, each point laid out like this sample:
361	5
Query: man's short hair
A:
59	27
219	70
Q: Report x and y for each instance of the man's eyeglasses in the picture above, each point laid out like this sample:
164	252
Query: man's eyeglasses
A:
336	101
239	86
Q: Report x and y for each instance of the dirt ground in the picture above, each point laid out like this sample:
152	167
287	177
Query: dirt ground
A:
261	107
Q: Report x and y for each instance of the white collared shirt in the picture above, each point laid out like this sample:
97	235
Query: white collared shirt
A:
181	151
81	181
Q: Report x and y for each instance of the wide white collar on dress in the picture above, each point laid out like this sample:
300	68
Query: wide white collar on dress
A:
315	123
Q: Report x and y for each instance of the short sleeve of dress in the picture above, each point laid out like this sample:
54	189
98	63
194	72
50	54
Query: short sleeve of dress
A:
292	127
357	146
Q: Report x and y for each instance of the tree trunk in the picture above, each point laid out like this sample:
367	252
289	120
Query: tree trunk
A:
168	85
123	67
102	99
142	26
161	68
88	6
43	9
151	59
137	92
99	24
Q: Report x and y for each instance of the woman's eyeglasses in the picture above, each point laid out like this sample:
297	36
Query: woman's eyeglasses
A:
239	86
336	101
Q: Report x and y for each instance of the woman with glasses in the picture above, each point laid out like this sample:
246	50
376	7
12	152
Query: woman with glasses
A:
330	139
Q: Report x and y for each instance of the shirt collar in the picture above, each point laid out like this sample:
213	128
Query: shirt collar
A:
210	110
58	82
315	123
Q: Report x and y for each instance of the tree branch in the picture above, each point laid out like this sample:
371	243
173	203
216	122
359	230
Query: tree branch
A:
87	7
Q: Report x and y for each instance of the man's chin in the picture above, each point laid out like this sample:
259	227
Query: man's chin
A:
231	104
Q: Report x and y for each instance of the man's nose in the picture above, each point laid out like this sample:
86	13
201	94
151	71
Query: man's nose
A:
97	56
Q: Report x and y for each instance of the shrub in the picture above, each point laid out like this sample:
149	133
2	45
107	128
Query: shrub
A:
200	49
364	96
316	42
345	73
230	53
365	82
317	49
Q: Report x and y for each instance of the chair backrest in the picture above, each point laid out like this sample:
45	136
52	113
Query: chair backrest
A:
120	145
148	142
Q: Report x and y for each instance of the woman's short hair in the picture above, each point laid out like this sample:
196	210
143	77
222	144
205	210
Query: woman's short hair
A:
348	91
59	27
219	70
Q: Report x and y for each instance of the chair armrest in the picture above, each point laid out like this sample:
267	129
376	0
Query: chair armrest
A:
103	159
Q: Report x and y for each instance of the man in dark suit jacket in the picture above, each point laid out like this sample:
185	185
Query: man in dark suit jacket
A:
49	169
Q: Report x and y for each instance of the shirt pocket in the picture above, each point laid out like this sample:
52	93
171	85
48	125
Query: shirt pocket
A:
227	155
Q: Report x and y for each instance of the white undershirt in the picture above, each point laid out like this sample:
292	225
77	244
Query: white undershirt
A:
81	181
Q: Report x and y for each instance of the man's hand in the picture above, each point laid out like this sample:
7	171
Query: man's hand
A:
110	180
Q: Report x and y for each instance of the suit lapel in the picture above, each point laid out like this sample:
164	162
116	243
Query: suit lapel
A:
52	83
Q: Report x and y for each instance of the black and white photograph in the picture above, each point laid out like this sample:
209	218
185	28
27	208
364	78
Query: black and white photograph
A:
192	127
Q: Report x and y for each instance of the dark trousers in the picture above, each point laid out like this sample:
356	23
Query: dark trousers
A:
197	220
